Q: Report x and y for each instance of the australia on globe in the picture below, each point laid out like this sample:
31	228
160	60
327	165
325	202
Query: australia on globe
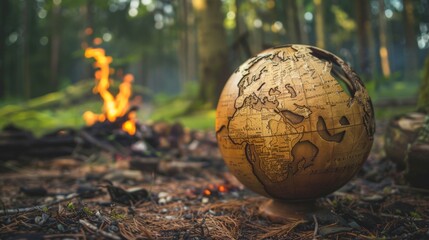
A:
294	123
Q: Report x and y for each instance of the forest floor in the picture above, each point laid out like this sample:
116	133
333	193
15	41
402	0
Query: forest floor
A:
195	197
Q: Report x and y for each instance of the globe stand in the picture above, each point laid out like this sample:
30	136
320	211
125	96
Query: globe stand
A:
286	211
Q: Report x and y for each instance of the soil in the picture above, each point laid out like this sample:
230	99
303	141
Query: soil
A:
193	196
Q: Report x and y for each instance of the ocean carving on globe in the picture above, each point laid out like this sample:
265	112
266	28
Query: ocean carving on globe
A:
294	123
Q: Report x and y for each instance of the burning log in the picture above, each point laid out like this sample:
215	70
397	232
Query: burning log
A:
113	107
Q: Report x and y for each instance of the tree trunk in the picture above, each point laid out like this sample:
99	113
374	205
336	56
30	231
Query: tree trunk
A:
423	103
400	132
183	41
294	23
212	49
187	51
240	47
319	20
411	56
55	46
363	27
4	9
25	50
384	53
301	22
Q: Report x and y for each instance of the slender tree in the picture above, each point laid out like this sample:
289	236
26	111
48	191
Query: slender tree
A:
212	49
55	45
187	41
423	101
383	51
319	20
410	40
294	22
25	41
4	9
364	35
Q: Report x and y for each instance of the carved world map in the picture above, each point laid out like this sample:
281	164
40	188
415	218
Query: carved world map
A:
294	122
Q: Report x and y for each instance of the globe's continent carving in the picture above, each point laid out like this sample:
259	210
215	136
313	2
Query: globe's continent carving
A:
294	122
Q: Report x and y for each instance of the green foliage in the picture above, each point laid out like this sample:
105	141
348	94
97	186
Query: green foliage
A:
65	109
88	211
54	110
423	136
116	216
346	25
199	120
71	207
183	108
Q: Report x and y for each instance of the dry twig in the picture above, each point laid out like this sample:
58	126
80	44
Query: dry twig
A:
38	207
101	232
316	227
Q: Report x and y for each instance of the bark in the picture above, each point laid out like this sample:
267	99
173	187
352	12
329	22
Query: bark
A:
423	102
383	51
55	46
4	9
320	24
187	51
410	41
240	46
417	162
212	49
363	27
293	25
301	22
26	50
402	131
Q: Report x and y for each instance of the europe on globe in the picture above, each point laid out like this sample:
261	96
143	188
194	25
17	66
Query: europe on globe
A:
294	123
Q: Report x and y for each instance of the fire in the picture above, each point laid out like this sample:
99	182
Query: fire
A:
113	107
222	188
207	192
215	189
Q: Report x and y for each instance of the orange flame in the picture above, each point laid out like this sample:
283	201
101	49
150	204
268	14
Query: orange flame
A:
222	188
113	107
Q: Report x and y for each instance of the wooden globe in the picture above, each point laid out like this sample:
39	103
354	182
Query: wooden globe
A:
294	123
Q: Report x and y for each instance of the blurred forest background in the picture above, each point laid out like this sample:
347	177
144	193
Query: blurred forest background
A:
182	52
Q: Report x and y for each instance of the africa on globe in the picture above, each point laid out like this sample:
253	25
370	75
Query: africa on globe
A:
294	123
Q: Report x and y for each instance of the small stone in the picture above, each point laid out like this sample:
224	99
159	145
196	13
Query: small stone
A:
40	220
205	200
113	228
48	199
235	194
61	228
162	201
162	195
98	215
164	210
187	216
354	225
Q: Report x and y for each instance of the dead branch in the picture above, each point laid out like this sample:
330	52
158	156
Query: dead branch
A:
101	232
38	207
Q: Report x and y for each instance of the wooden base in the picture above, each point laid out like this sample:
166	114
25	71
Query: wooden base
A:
283	211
